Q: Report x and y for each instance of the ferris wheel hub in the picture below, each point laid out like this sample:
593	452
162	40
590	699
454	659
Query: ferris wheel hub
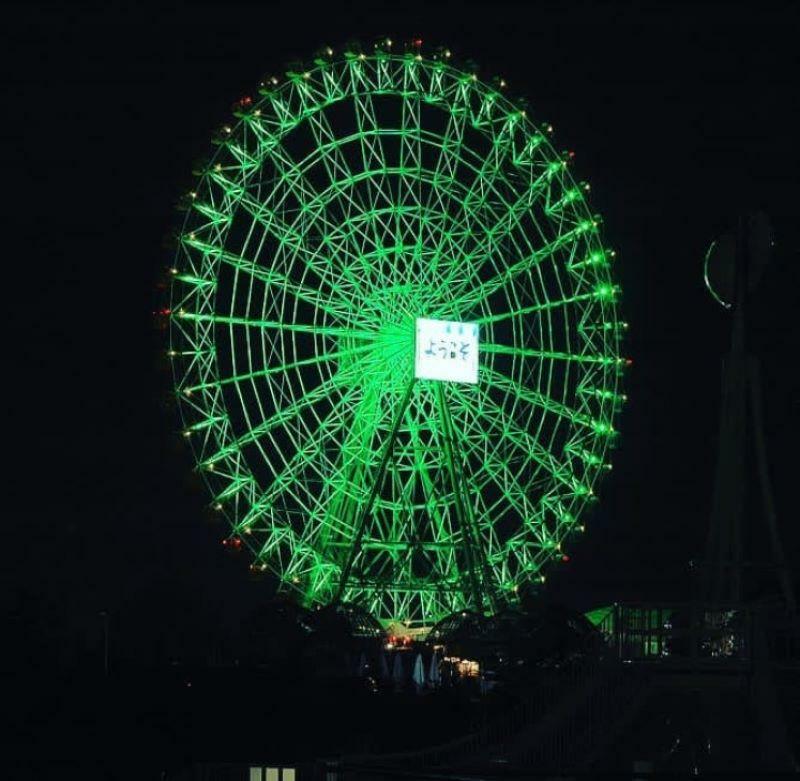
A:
446	350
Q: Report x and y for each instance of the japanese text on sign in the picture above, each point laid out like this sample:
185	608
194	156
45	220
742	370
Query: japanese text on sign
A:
446	350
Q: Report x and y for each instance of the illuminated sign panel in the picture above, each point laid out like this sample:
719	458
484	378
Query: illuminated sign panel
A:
446	350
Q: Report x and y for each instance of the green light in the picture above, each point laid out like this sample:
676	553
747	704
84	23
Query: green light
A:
311	247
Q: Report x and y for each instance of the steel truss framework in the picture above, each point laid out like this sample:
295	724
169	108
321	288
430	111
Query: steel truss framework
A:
344	203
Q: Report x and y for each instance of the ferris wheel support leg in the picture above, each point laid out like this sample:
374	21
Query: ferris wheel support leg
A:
472	552
784	573
376	485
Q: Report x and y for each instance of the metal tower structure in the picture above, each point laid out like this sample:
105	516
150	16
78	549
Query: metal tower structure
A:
734	266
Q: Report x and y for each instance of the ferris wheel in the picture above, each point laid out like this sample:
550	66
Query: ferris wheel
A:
395	336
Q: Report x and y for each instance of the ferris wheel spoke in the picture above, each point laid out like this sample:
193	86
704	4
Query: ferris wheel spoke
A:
306	450
553	355
482	185
302	555
373	159
526	443
265	215
337	187
542	401
281	417
343	491
531	517
481	583
503	472
281	368
441	550
497	225
334	159
316	206
440	527
317	330
439	182
347	485
447	160
508	274
373	153
504	475
341	410
288	234
409	184
380	252
376	481
545	402
515	210
293	174
306	194
274	278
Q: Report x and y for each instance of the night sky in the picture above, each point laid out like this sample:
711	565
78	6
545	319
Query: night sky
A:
681	116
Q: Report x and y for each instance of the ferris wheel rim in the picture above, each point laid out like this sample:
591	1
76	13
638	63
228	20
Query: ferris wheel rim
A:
459	393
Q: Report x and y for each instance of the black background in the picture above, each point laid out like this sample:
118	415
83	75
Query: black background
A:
681	116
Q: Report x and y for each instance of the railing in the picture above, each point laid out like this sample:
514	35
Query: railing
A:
539	700
571	735
690	635
569	715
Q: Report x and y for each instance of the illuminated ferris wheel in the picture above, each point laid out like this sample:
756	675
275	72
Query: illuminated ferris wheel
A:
395	337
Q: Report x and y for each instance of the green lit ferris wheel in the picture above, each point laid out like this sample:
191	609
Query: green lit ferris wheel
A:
394	335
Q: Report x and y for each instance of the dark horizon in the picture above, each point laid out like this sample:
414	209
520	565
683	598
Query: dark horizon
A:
682	118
